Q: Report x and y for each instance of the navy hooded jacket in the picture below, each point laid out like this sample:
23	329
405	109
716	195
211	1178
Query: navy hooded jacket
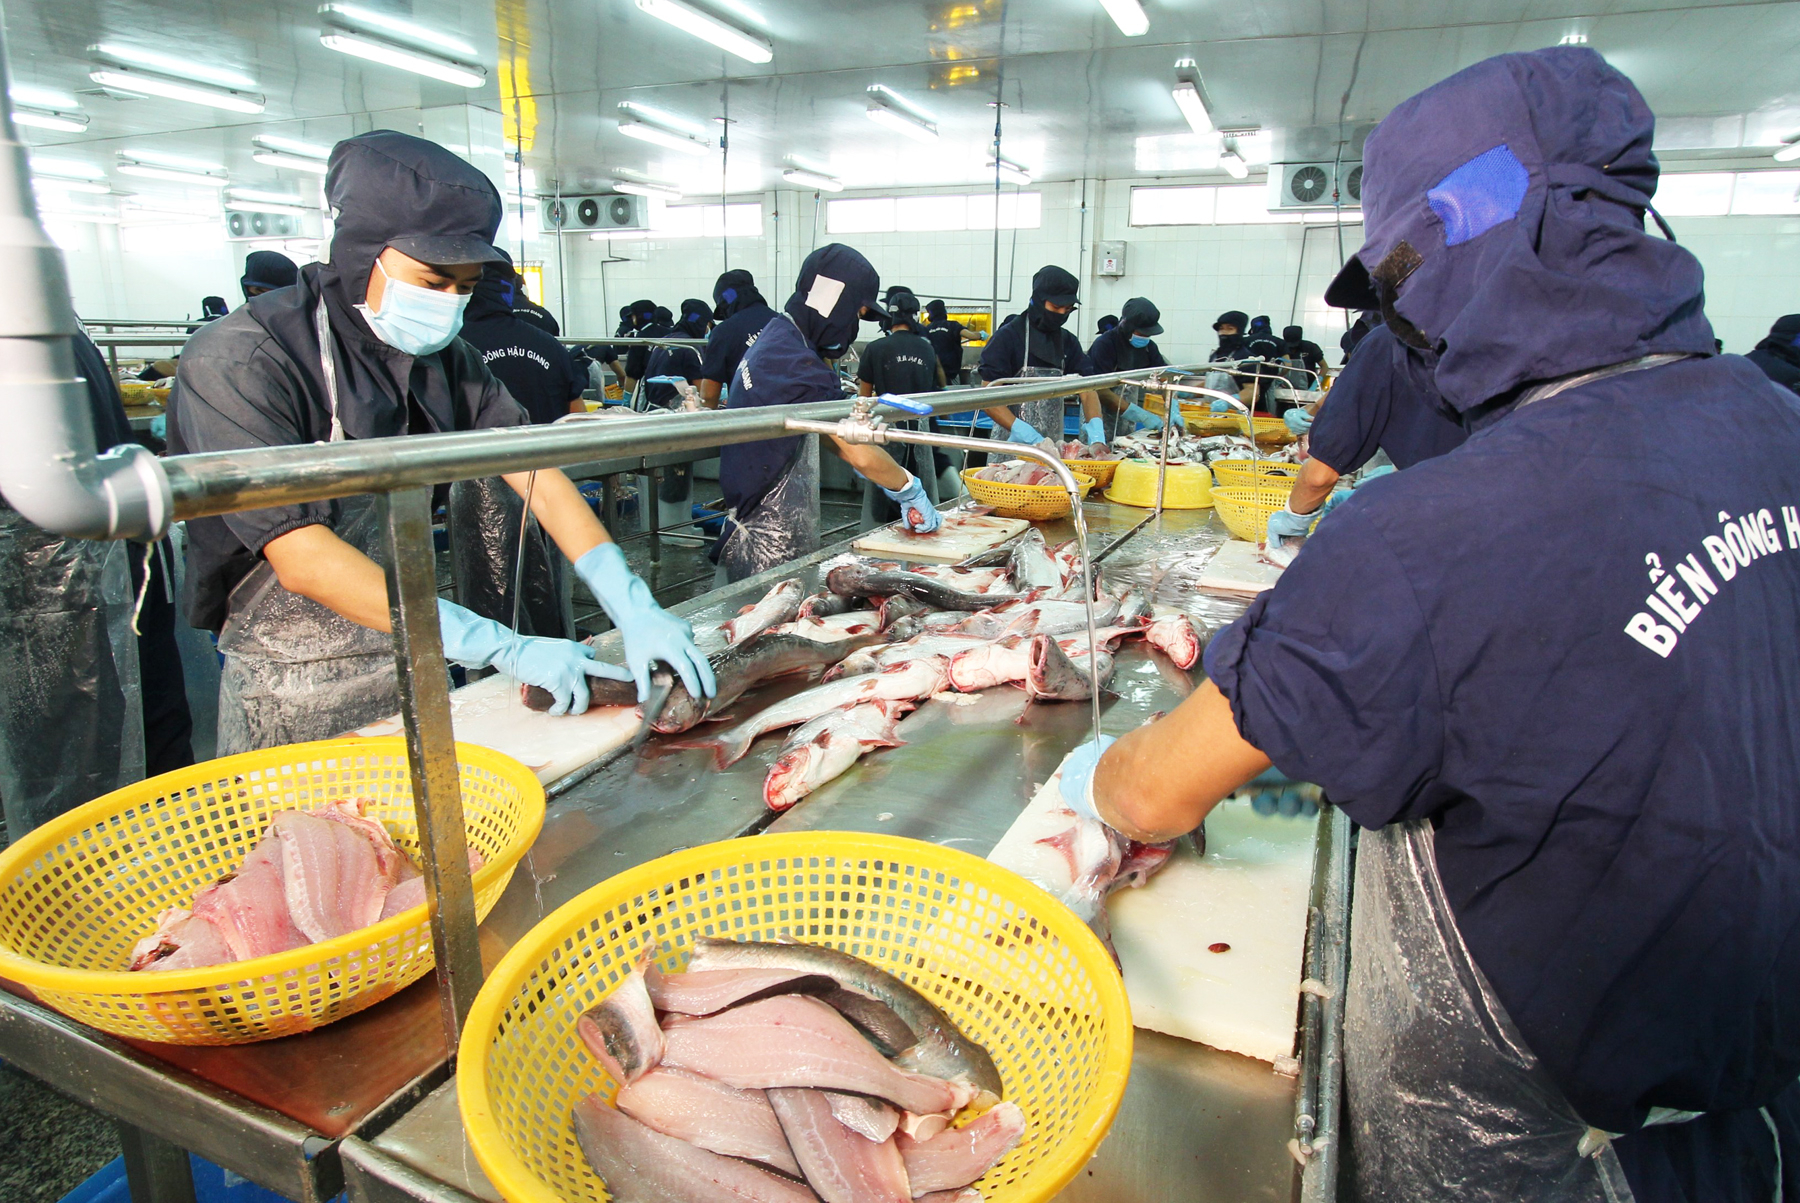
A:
1383	400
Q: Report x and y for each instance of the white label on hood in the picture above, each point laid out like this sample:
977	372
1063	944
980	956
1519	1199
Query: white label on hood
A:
824	295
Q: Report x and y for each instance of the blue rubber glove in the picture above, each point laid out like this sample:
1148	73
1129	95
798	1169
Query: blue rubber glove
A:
1077	785
1298	421
650	633
1338	497
159	426
1285	524
1272	793
1374	474
1094	431
1023	432
1143	417
1221	406
1178	419
561	666
917	513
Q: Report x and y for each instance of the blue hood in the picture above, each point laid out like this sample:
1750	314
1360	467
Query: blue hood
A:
836	284
1504	210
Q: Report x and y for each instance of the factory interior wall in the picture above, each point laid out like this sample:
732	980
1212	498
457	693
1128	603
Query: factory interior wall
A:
1192	273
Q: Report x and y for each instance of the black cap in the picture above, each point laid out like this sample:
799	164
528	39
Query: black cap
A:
1293	334
936	311
694	310
213	306
1055	285
268	269
1786	327
1139	316
1233	317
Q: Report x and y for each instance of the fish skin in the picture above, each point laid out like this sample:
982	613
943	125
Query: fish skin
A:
711	991
780	604
940	1049
795	1040
840	1165
824	605
1174	636
1039	617
330	873
820	750
869	1118
718	1118
1054	677
621	1030
641	1165
954	1158
893	609
1033	566
739	669
862	580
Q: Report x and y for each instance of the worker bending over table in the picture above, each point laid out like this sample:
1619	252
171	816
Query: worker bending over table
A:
1035	344
1554	674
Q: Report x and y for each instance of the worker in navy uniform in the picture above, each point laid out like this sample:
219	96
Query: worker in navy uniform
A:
901	361
1131	344
1555	676
265	271
526	309
365	347
1359	330
771	486
1301	351
741	314
1778	355
659	323
675	483
947	337
1036	344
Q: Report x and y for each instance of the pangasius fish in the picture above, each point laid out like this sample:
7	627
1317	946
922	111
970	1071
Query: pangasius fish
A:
842	1166
822	749
1054	676
864	580
902	683
638	1162
780	604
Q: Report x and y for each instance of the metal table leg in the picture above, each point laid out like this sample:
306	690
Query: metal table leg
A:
431	751
609	504
654	524
155	1170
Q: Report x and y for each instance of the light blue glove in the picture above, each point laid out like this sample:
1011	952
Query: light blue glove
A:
561	666
1077	785
1374	474
1094	431
1338	497
1023	432
159	426
1272	792
917	513
1285	524
649	632
1177	418
1221	406
1143	417
1298	421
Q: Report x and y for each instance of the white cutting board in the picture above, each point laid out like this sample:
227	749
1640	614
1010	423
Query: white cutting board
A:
1250	891
1238	570
490	713
962	535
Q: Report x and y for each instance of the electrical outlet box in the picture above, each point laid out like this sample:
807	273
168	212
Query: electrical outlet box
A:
1112	258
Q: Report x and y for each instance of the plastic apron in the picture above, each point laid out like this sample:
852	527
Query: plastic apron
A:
71	727
484	519
294	670
1045	417
784	525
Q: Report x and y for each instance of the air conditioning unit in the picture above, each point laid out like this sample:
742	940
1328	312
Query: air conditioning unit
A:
1312	185
596	214
246	225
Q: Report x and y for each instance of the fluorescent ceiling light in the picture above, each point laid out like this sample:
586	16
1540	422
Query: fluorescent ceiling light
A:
271	158
1128	15
153	170
293	146
268	202
65	169
634	188
886	107
1789	151
1009	171
656	135
52	184
1234	164
812	179
179	65
392	54
663	117
43	98
1577	38
709	28
1187	99
92	216
56	119
356	14
127	79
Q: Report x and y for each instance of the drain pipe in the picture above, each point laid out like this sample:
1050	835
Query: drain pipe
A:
49	471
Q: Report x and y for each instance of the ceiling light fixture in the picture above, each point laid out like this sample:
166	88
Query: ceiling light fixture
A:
142	83
392	54
1790	150
271	158
65	169
1234	164
1574	38
886	107
368	18
1009	171
292	146
664	118
56	119
267	202
98	217
1128	15
1193	106
812	179
659	191
52	184
151	169
709	28
656	135
43	98
178	65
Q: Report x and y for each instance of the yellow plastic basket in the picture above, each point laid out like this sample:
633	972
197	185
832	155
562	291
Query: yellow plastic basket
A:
1015	969
1245	509
1245	472
1101	470
79	891
1038	503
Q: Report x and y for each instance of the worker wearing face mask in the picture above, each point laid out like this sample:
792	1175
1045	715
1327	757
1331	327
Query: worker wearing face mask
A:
1128	345
772	486
1036	344
667	364
265	271
901	361
1300	351
365	347
741	314
947	337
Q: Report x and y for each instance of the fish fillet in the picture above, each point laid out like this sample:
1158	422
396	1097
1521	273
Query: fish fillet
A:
252	908
409	891
641	1165
330	873
840	1166
957	1157
717	1117
792	1040
714	990
871	1119
182	940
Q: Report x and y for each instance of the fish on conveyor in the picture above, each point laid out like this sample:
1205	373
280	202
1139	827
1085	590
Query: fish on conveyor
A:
780	604
886	655
824	605
638	1163
719	1118
796	1040
901	683
708	992
831	627
840	1165
954	1158
864	580
893	609
823	748
1054	676
1032	565
621	1031
1039	617
958	576
1173	634
940	1049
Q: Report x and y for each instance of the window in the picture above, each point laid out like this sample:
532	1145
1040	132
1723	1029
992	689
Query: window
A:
1172	206
1766	192
933	214
874	215
695	221
1018	211
1248	204
1694	194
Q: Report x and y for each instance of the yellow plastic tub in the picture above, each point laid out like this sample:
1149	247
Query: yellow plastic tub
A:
1015	969
1036	503
1245	510
78	892
1189	486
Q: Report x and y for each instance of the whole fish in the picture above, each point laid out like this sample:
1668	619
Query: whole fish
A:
1053	676
638	1162
1039	618
893	609
1032	566
864	580
821	750
886	655
984	664
824	605
832	626
743	667
940	1049
902	683
780	604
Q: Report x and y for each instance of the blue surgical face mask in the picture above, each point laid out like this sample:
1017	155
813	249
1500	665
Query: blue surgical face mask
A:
418	321
1139	340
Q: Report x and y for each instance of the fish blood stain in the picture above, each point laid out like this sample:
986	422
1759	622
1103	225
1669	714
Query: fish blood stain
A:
1220	947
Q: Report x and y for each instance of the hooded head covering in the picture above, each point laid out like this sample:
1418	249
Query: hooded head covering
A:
836	284
662	316
936	312
392	189
212	307
627	321
1783	340
1139	316
1107	324
267	270
1293	336
640	314
493	293
696	318
1233	317
1504	217
735	290
1051	285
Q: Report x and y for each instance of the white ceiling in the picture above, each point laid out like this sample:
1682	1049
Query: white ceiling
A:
1077	93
